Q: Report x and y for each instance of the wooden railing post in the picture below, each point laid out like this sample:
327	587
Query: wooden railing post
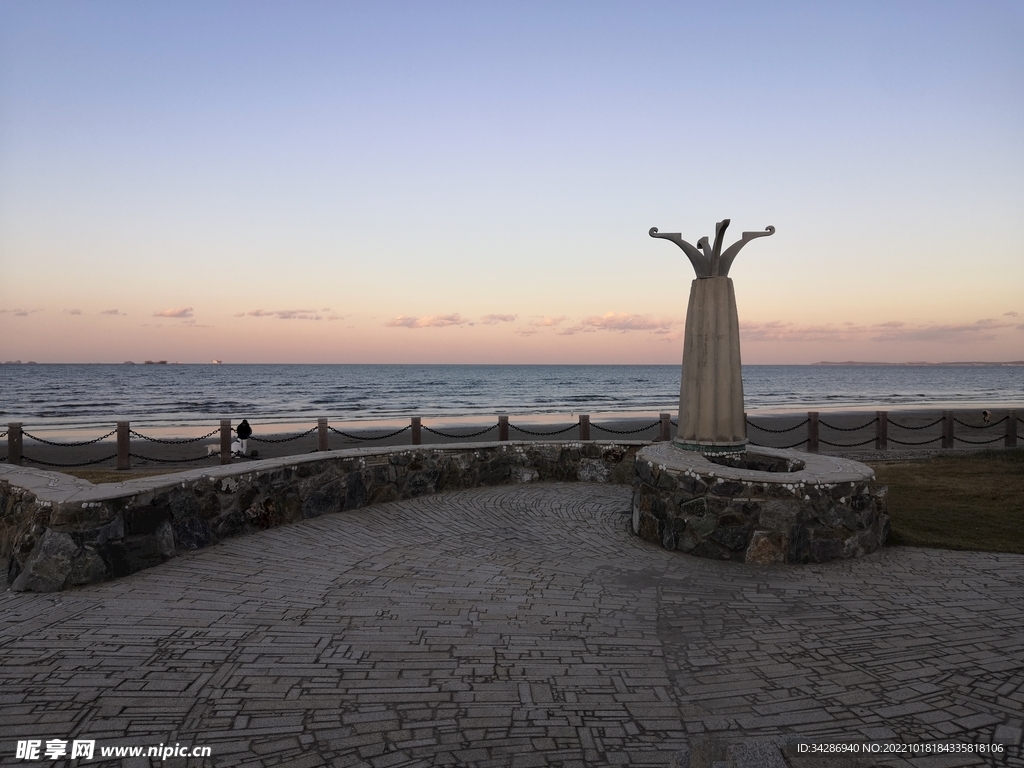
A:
585	427
947	429
812	431
416	430
1010	441
502	427
14	443
882	431
124	460
225	441
321	433
665	431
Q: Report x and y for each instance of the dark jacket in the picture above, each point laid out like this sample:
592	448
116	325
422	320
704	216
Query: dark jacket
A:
244	430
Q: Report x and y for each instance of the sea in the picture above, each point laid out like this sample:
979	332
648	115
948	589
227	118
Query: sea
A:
187	397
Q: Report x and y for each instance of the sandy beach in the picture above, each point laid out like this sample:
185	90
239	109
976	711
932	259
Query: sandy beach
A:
910	432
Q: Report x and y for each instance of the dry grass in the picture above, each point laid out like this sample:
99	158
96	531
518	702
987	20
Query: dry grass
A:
99	476
972	501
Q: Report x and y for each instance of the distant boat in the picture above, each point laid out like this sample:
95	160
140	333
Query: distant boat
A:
155	362
216	362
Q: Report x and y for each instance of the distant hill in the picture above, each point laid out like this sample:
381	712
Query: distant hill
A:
921	362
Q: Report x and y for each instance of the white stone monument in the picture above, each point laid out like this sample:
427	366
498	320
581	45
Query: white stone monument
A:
711	391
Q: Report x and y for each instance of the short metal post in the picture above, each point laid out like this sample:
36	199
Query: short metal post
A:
812	431
882	431
14	443
1010	441
665	432
947	429
225	441
321	434
745	424
124	459
502	428
416	426
585	427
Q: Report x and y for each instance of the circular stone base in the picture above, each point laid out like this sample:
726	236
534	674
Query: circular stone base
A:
826	509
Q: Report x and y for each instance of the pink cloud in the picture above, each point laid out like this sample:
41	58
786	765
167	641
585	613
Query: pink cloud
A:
116	312
622	322
72	311
19	312
892	330
183	312
494	319
286	314
430	321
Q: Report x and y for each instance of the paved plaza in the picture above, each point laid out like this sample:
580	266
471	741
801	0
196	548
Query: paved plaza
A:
512	626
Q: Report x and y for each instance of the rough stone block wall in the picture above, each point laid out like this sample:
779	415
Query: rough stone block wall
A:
756	522
52	546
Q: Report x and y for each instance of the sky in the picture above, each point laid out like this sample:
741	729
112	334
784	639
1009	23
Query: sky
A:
447	182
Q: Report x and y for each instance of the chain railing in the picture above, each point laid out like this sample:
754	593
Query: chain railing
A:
626	431
980	426
182	441
914	443
68	445
282	439
848	429
881	423
171	461
905	426
776	431
76	464
545	434
846	445
371	437
461	437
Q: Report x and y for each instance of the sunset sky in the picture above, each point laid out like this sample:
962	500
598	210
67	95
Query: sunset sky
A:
474	182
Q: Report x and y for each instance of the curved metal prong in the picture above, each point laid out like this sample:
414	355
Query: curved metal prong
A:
730	254
701	262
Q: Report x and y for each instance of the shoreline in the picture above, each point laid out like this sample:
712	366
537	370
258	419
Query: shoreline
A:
841	431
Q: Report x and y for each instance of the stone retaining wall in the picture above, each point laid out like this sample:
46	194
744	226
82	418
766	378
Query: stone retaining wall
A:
65	532
823	509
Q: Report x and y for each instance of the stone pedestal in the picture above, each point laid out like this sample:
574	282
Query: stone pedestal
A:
770	506
711	393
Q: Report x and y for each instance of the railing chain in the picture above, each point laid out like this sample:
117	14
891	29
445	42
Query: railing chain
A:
904	426
625	431
978	442
172	461
372	437
794	445
173	442
983	426
846	445
78	464
459	437
922	442
69	445
544	434
283	439
778	431
847	429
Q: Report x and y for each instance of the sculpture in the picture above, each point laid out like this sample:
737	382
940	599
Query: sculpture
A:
711	416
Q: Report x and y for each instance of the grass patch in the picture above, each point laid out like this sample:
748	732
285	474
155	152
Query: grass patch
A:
99	476
972	501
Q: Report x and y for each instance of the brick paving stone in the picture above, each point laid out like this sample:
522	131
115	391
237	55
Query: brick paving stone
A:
517	625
